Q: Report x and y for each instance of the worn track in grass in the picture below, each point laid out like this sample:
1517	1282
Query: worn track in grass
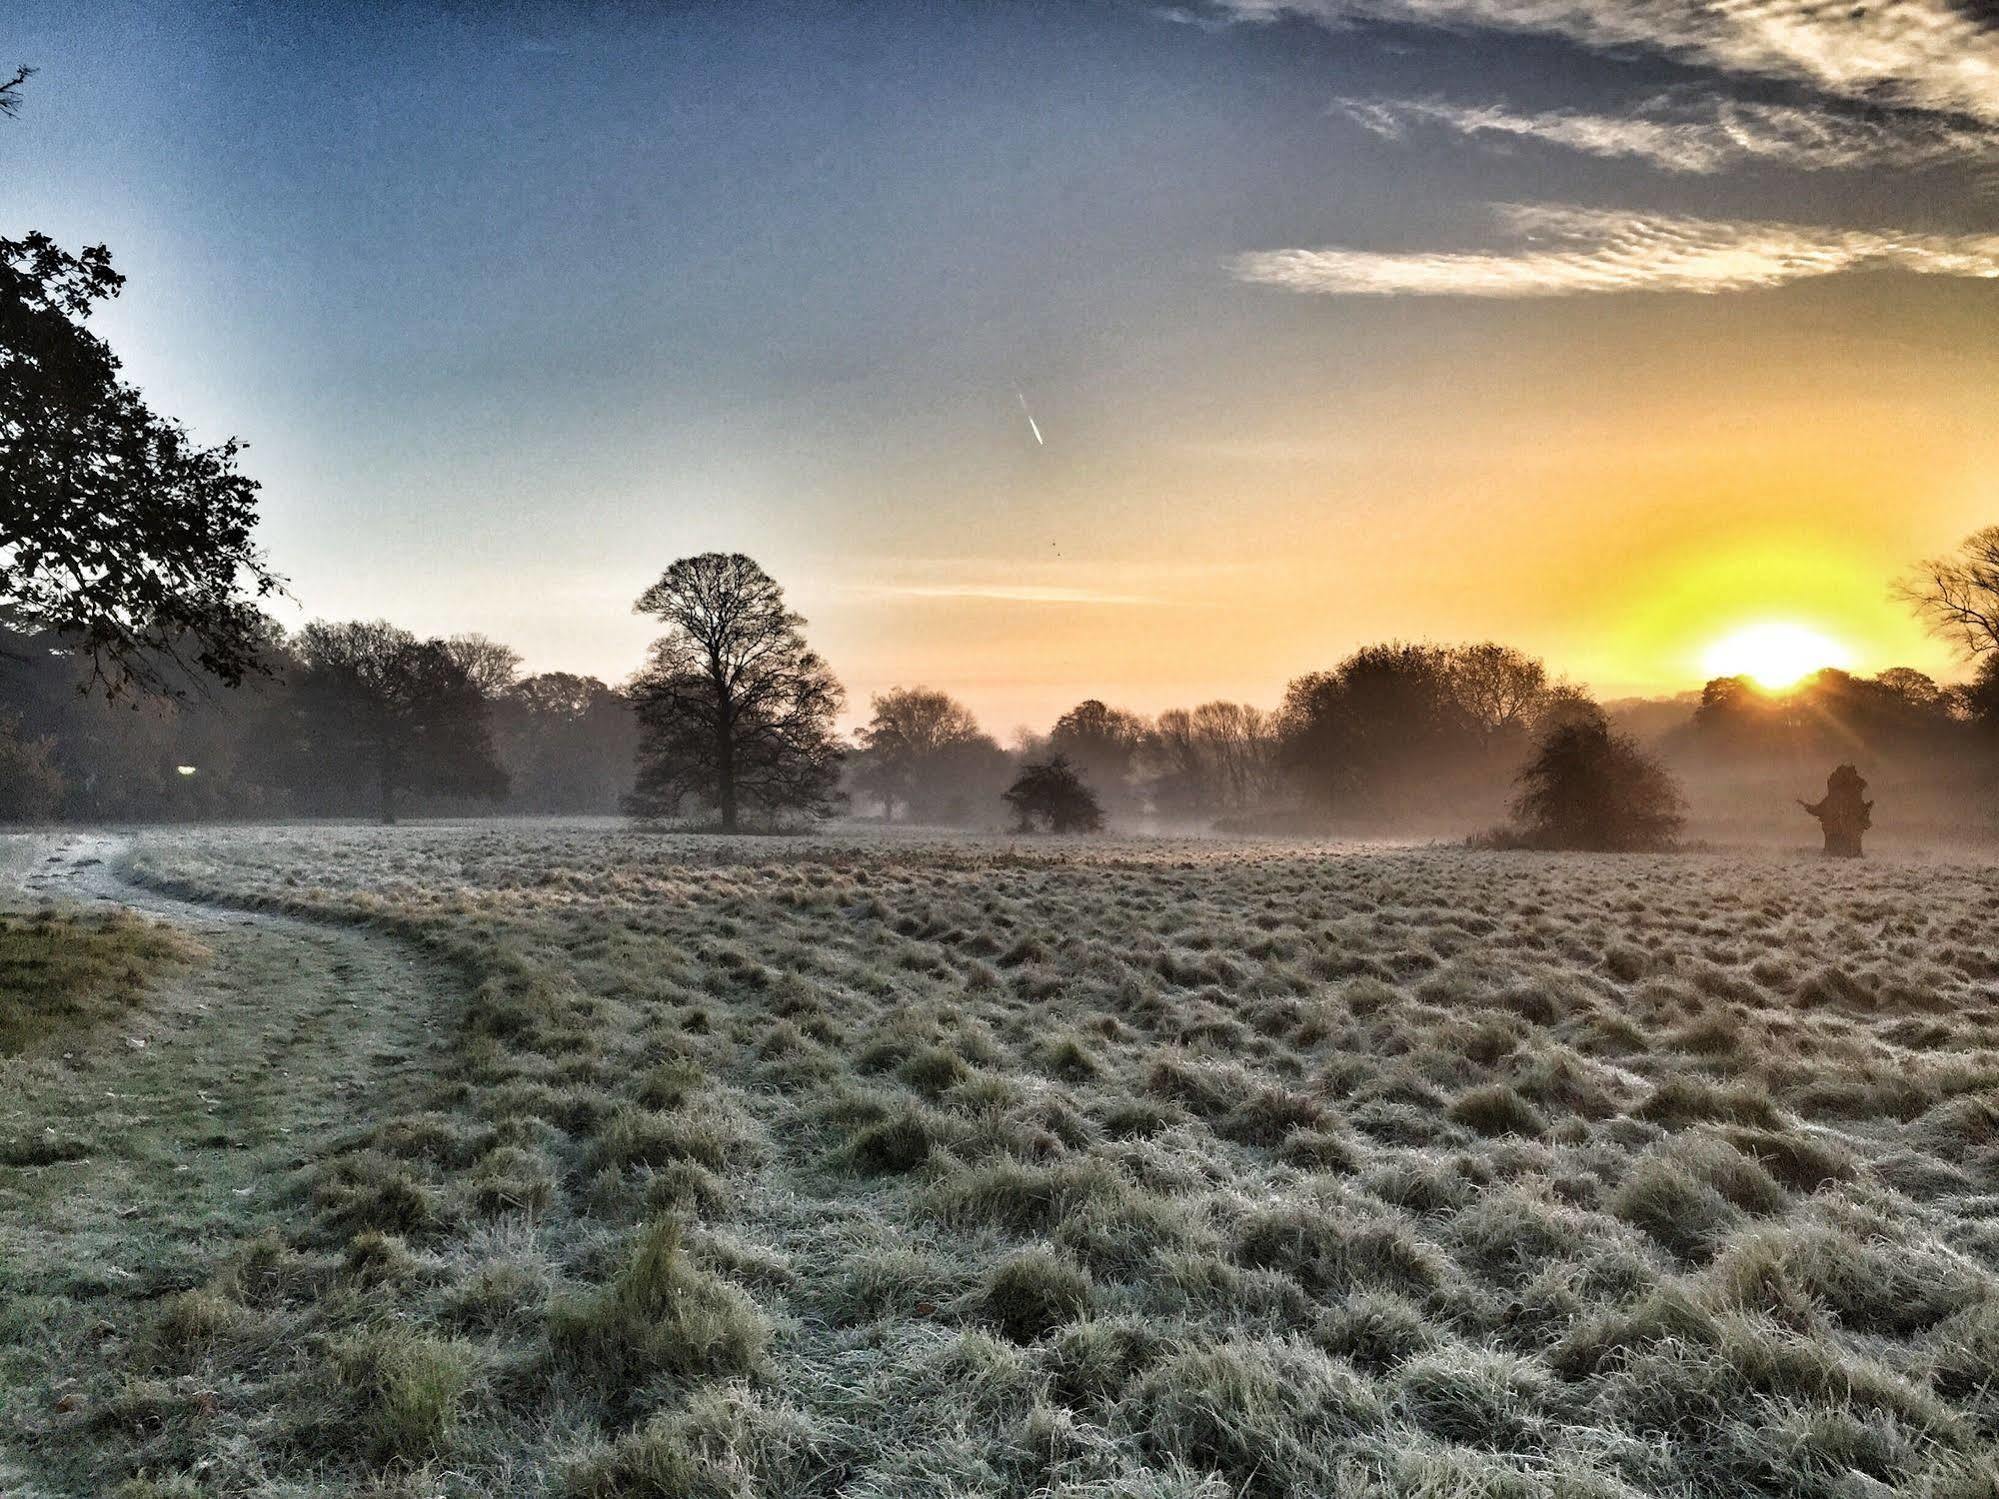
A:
175	1133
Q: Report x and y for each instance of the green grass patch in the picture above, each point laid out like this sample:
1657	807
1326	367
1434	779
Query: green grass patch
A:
63	973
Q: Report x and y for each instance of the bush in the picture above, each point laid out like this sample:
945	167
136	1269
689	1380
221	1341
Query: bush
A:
1588	787
1053	795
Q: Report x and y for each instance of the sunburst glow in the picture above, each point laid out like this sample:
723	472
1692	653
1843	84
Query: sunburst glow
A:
1774	655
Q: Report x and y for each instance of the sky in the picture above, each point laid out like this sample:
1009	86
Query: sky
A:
1156	353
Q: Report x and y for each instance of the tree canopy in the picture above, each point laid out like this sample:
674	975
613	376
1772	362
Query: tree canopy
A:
924	752
1958	596
735	711
398	710
125	540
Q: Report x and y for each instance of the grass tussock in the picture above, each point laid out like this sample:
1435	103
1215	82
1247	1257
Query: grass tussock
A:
659	1316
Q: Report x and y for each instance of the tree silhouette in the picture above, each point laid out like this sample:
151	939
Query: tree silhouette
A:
1588	787
1500	689
10	91
734	710
1958	596
1103	744
922	749
374	697
126	541
1052	794
493	667
568	743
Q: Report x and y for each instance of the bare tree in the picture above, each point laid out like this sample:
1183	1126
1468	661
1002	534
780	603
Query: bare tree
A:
10	91
1499	687
492	667
734	709
1958	596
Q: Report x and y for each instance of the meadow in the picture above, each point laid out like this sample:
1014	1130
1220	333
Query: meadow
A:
868	1165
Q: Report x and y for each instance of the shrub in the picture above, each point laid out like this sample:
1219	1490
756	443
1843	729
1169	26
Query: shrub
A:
1589	787
1051	794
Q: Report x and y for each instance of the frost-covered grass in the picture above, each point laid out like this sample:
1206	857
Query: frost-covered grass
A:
64	972
866	1166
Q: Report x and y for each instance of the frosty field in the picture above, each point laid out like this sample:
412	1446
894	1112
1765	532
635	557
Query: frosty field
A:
861	1165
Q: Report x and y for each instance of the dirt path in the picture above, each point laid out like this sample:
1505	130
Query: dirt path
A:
144	1154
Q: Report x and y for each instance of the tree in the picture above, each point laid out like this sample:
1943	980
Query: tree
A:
734	710
1588	787
124	540
1051	793
1216	758
925	751
1386	716
1102	743
1958	596
1499	688
373	699
10	91
31	786
567	742
493	667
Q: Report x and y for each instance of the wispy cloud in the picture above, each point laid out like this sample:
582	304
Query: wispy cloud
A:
1926	54
1679	134
1012	593
1573	251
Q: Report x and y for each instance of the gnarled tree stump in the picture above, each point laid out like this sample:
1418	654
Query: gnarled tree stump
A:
1844	813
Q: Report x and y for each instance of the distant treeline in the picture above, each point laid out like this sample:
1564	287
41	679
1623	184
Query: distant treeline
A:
338	720
1429	739
366	720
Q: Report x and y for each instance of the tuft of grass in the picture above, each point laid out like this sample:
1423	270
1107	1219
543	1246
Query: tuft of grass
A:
1496	1109
408	1390
1030	1294
1269	1417
1329	1251
658	1316
891	1146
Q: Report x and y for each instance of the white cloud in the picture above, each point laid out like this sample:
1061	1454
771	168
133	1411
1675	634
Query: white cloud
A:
1699	136
1572	251
1928	54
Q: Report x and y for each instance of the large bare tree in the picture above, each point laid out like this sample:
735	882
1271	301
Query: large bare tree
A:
734	709
1958	596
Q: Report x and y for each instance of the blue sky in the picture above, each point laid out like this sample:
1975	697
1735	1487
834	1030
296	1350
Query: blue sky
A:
1339	320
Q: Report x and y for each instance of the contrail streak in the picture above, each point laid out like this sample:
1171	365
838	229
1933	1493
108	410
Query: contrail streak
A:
1032	425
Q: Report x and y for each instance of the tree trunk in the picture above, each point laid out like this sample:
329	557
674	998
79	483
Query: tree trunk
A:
386	768
725	769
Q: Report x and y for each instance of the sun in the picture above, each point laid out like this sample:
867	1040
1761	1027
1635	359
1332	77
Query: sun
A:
1775	655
